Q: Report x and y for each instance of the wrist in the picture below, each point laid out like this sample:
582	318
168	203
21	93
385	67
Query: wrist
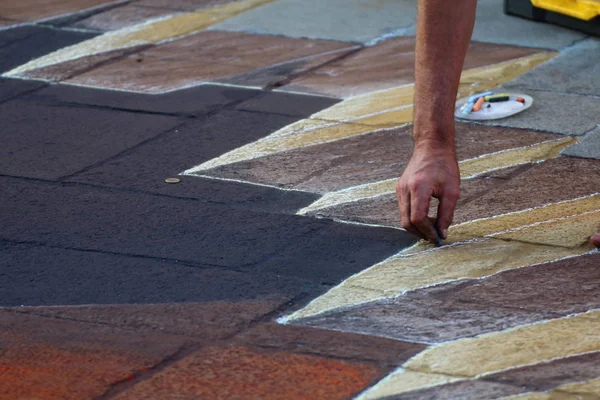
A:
434	141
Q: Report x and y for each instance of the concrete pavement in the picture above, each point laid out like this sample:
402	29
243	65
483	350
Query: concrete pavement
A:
274	267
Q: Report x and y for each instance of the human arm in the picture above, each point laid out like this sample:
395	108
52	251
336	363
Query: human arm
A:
443	33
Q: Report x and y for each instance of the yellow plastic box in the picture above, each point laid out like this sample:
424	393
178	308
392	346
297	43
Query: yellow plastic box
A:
582	15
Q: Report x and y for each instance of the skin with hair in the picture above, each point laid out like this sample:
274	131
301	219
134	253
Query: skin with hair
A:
444	31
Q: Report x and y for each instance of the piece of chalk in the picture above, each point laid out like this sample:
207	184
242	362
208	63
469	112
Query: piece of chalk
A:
474	98
478	104
467	108
497	98
521	100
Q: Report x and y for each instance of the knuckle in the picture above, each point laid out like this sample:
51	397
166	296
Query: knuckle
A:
414	185
453	194
416	219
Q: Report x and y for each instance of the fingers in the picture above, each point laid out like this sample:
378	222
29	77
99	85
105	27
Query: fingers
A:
403	195
419	210
595	239
446	212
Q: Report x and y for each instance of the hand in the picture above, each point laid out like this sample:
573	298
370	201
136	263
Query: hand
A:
595	239
432	172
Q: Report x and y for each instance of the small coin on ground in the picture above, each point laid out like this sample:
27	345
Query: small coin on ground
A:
172	180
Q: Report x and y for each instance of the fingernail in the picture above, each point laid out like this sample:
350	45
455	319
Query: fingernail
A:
445	234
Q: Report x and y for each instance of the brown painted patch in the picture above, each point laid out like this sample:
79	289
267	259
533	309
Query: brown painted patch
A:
389	64
33	10
7	22
465	309
202	57
122	17
547	376
275	75
48	359
211	320
299	339
383	210
370	157
68	69
184	5
549	182
241	373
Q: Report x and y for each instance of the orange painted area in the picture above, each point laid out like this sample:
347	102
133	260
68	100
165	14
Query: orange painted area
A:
39	371
241	373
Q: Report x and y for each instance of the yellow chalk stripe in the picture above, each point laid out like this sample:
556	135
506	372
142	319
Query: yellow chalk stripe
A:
528	396
485	78
153	31
472	81
568	232
401	273
390	118
342	296
304	125
505	222
513	157
468	169
525	345
591	387
351	194
280	143
369	103
403	381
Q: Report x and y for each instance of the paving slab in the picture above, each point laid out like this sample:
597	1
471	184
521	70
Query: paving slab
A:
474	307
327	343
374	156
33	10
209	320
386	65
8	36
287	104
36	41
338	252
574	70
122	17
11	88
352	20
568	114
202	57
492	25
148	225
197	100
185	230
48	141
147	166
240	372
71	277
44	358
589	147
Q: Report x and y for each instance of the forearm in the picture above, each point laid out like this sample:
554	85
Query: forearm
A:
443	33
